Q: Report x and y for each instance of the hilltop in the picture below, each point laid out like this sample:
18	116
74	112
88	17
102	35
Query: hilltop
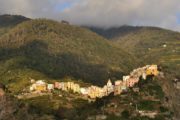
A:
9	21
114	32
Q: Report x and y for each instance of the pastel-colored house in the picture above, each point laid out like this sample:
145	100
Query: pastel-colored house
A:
76	88
110	87
50	87
39	85
117	87
132	81
152	70
125	78
84	91
57	85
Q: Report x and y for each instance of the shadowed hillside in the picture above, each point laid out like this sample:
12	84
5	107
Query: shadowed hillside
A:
58	50
112	33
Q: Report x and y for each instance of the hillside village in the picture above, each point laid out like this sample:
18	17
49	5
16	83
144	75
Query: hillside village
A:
93	92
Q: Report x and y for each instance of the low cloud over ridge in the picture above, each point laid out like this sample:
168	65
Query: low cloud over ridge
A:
102	13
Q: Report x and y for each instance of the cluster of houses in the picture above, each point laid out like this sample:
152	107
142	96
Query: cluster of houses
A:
95	91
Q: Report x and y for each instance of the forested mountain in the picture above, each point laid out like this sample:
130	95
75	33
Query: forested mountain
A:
114	32
58	50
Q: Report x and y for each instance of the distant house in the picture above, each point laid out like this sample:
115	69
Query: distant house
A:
164	45
84	91
110	87
95	92
39	85
132	81
117	87
144	76
64	86
125	78
76	88
178	85
50	87
105	90
57	85
124	86
150	114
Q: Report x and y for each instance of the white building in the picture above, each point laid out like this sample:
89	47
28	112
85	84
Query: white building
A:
84	91
110	87
50	87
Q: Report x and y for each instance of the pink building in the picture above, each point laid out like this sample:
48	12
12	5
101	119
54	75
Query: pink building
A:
132	81
57	85
117	87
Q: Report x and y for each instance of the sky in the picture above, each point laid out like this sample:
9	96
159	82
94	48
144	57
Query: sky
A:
101	13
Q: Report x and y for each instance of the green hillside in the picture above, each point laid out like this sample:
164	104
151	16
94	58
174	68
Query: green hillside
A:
154	45
51	50
9	21
114	32
150	44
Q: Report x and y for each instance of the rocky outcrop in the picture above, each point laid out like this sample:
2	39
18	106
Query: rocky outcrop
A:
11	109
172	99
1	92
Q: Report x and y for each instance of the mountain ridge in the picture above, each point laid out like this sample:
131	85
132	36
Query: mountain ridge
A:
58	50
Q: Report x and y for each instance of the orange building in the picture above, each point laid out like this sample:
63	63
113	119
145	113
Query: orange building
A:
152	70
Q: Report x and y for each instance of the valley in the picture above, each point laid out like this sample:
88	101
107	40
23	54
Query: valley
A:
55	54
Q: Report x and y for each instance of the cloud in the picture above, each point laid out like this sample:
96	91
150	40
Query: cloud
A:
107	13
102	13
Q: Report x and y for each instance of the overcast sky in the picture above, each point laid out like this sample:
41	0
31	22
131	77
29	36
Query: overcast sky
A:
102	13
